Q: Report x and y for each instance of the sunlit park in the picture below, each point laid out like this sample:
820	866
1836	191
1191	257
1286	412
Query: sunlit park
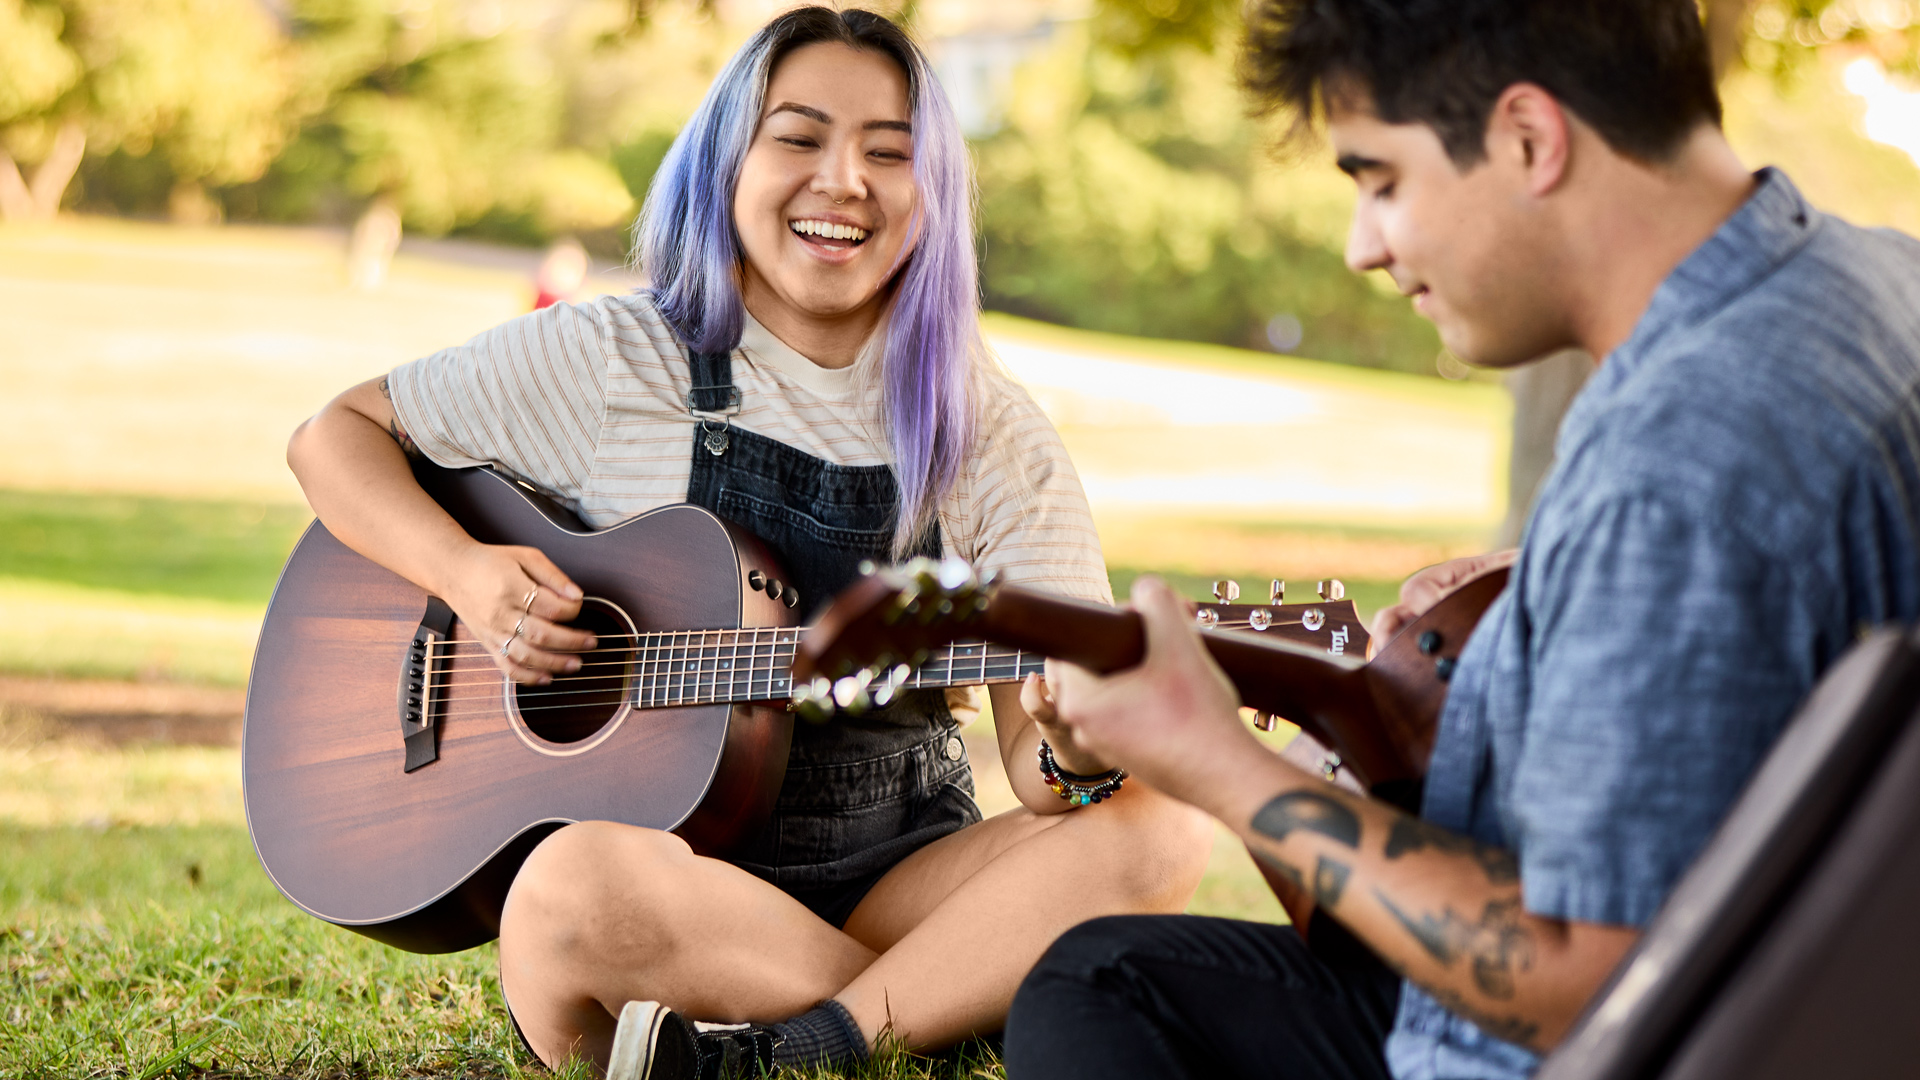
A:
219	213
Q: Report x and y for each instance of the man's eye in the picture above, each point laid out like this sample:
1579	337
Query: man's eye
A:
1384	191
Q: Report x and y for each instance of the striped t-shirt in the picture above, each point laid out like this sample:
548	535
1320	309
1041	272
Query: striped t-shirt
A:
588	403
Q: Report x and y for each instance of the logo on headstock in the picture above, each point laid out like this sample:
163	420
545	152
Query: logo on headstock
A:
1338	642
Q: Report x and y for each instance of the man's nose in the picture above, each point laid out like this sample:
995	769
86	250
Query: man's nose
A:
1366	248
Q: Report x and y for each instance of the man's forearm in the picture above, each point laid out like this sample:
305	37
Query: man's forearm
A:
1437	907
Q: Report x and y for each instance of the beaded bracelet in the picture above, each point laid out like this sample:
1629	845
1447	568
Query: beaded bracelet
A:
1076	789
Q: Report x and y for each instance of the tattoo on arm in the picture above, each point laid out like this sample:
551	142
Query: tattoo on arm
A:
1312	812
1329	881
394	429
1410	834
1497	946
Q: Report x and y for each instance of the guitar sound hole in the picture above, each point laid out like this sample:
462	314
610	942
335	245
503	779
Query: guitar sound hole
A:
573	707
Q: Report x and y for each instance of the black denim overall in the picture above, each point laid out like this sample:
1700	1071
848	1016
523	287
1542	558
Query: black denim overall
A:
861	793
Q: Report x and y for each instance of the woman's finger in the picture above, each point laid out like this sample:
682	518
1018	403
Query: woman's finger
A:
1036	700
542	571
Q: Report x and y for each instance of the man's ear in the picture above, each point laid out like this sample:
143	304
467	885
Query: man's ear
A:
1528	129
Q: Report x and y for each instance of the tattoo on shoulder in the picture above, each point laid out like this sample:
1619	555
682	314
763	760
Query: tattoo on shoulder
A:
385	390
1410	834
1497	947
1309	811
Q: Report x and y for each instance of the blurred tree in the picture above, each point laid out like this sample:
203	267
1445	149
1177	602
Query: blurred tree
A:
1129	192
135	76
421	109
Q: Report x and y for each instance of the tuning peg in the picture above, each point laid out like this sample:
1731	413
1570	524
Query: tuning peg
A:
1332	589
1263	721
1259	618
1206	618
1226	592
1313	619
1277	592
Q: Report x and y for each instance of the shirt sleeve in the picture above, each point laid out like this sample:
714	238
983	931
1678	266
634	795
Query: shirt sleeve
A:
528	396
1662	673
1025	515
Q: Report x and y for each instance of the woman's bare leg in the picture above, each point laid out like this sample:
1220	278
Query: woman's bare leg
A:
602	914
961	921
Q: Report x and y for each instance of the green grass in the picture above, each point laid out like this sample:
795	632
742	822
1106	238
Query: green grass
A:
164	951
190	548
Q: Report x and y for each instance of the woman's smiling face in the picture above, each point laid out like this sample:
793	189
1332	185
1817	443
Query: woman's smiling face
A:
826	192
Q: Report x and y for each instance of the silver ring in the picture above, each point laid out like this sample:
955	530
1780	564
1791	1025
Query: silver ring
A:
517	627
504	646
526	608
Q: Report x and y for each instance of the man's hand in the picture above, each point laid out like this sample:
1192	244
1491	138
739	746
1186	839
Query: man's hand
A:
1173	721
1428	587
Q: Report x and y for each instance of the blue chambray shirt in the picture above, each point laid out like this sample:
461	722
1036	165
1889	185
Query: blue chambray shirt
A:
1734	498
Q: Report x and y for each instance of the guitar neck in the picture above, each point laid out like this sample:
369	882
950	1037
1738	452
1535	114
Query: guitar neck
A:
704	667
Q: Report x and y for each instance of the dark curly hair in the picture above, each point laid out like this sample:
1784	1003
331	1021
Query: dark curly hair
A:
1636	71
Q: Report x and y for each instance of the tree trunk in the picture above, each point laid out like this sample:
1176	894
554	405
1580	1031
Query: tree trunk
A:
16	202
50	180
1726	27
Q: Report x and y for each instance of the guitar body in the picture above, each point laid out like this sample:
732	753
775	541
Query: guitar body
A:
422	859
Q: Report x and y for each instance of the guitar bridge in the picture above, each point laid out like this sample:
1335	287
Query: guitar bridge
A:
418	700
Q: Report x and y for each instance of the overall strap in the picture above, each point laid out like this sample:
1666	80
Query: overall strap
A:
713	390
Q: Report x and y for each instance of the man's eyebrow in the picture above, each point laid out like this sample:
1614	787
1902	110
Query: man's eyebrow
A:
807	111
1354	164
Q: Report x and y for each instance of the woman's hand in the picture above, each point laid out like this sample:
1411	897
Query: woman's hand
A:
1067	751
514	599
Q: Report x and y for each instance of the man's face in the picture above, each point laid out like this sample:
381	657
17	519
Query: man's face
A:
1470	247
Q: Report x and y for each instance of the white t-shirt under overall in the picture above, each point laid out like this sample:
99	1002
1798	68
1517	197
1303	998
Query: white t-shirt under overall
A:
588	403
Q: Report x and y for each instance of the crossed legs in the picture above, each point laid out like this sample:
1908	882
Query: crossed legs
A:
602	914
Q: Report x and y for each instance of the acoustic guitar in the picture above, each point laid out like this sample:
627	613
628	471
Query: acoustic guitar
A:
1378	717
395	780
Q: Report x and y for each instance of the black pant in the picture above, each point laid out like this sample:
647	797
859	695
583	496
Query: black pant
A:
1185	996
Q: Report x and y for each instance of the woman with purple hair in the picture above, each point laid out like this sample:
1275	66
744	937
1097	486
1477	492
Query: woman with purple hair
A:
807	362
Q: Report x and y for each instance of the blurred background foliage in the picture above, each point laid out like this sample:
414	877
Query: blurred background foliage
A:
1124	188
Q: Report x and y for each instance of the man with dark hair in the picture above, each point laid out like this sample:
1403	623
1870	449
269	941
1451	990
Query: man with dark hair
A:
1735	497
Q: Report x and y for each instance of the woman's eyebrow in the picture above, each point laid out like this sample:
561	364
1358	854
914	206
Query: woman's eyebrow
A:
807	111
817	116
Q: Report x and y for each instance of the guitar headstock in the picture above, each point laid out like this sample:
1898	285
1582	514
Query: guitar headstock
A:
867	644
1331	622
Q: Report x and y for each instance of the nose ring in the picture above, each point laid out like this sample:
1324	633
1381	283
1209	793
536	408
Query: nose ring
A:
838	202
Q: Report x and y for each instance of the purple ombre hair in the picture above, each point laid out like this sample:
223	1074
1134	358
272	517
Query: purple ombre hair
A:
691	253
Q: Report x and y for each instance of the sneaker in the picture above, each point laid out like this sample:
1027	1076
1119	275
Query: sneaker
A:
652	1042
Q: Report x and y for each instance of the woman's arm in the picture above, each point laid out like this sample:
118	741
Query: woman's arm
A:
351	460
1018	709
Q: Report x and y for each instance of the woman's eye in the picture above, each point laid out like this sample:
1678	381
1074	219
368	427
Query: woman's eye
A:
799	142
889	155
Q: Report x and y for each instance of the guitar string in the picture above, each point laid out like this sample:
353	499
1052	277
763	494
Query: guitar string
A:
447	648
443	713
778	661
471	642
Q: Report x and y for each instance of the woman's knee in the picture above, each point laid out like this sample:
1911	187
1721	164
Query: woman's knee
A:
1162	845
587	876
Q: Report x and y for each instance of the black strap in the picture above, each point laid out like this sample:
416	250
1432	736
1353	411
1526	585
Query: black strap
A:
713	390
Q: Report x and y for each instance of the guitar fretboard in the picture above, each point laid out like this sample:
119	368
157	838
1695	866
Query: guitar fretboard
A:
702	667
